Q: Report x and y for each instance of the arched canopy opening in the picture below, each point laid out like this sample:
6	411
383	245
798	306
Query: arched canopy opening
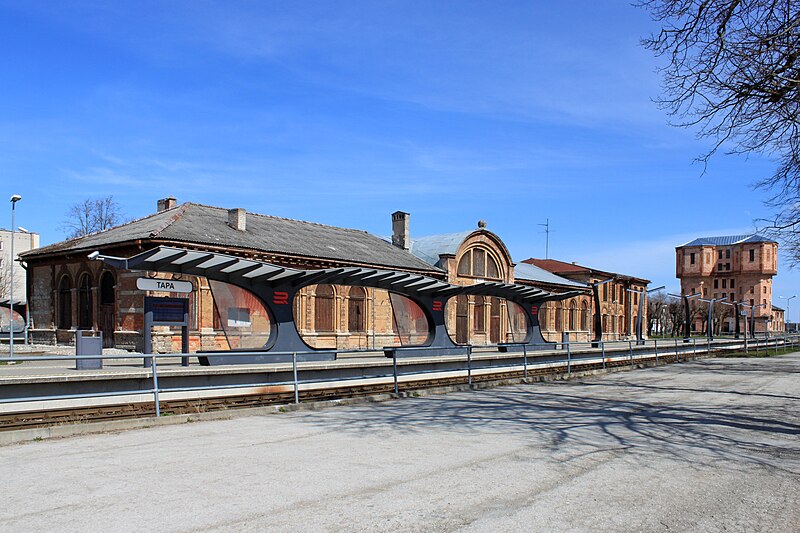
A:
241	315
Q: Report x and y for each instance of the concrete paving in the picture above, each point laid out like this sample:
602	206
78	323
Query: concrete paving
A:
705	446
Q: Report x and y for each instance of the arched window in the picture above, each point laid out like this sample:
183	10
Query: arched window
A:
605	324
85	302
544	316
323	308
573	310
356	309
65	303
621	325
584	317
479	263
559	323
479	314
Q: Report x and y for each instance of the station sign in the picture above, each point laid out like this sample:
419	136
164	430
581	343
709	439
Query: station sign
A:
164	285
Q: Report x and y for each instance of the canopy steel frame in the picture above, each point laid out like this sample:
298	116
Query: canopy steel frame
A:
277	287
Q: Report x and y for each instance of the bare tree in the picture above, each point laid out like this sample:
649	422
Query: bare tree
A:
92	215
733	72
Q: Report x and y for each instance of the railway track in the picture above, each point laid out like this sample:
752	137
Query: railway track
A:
78	415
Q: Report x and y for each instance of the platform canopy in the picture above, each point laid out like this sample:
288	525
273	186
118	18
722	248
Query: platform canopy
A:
247	272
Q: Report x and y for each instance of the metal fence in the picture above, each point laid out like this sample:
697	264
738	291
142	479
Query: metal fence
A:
564	355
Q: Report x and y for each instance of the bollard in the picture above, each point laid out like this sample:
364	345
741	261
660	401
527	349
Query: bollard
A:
524	361
655	345
469	365
569	359
603	353
154	368
394	371
296	385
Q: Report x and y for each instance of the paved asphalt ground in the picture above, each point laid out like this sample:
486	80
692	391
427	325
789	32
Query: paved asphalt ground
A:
712	445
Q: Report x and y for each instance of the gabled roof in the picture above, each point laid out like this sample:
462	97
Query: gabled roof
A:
199	224
565	269
528	272
728	240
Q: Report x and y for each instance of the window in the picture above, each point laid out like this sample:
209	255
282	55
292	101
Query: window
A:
728	253
733	297
479	314
720	254
691	258
752	302
323	308
719	266
85	302
716	284
107	288
572	318
733	283
477	262
752	255
724	283
559	322
727	266
584	317
65	303
605	292
705	292
356	307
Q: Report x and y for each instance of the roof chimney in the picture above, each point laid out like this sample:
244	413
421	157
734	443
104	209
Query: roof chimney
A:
237	219
167	203
401	236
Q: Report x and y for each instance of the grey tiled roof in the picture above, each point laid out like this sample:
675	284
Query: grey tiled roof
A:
207	225
528	272
431	247
727	240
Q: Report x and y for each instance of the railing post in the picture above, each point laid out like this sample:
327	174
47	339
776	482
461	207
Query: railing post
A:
569	359
296	385
745	344
655	345
603	353
630	352
708	348
524	361
469	365
694	347
394	370
676	351
154	368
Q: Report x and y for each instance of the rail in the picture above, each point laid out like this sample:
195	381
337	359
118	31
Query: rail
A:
564	355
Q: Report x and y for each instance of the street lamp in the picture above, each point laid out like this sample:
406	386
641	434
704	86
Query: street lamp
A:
14	199
787	316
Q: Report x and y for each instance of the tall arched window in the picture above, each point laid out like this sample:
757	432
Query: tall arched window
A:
65	303
479	263
584	317
621	325
323	308
85	302
544	317
479	314
573	310
605	324
356	309
107	288
559	322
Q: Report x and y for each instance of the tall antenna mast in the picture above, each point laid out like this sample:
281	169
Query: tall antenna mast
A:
547	238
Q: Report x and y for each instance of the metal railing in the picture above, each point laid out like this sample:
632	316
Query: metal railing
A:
564	355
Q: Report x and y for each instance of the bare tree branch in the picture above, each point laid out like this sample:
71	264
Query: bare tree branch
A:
92	215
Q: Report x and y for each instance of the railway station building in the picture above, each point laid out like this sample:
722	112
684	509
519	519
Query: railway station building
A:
67	291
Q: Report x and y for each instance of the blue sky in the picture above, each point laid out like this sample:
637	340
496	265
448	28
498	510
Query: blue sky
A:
343	112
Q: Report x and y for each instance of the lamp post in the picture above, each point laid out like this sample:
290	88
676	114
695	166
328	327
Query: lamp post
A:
639	335
710	313
14	199
687	322
786	316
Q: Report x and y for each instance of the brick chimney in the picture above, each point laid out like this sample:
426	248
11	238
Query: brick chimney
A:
237	219
167	203
401	236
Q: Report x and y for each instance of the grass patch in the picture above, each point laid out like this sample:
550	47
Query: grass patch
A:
761	353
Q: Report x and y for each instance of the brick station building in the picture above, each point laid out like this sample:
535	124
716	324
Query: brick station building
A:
737	267
619	308
67	291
